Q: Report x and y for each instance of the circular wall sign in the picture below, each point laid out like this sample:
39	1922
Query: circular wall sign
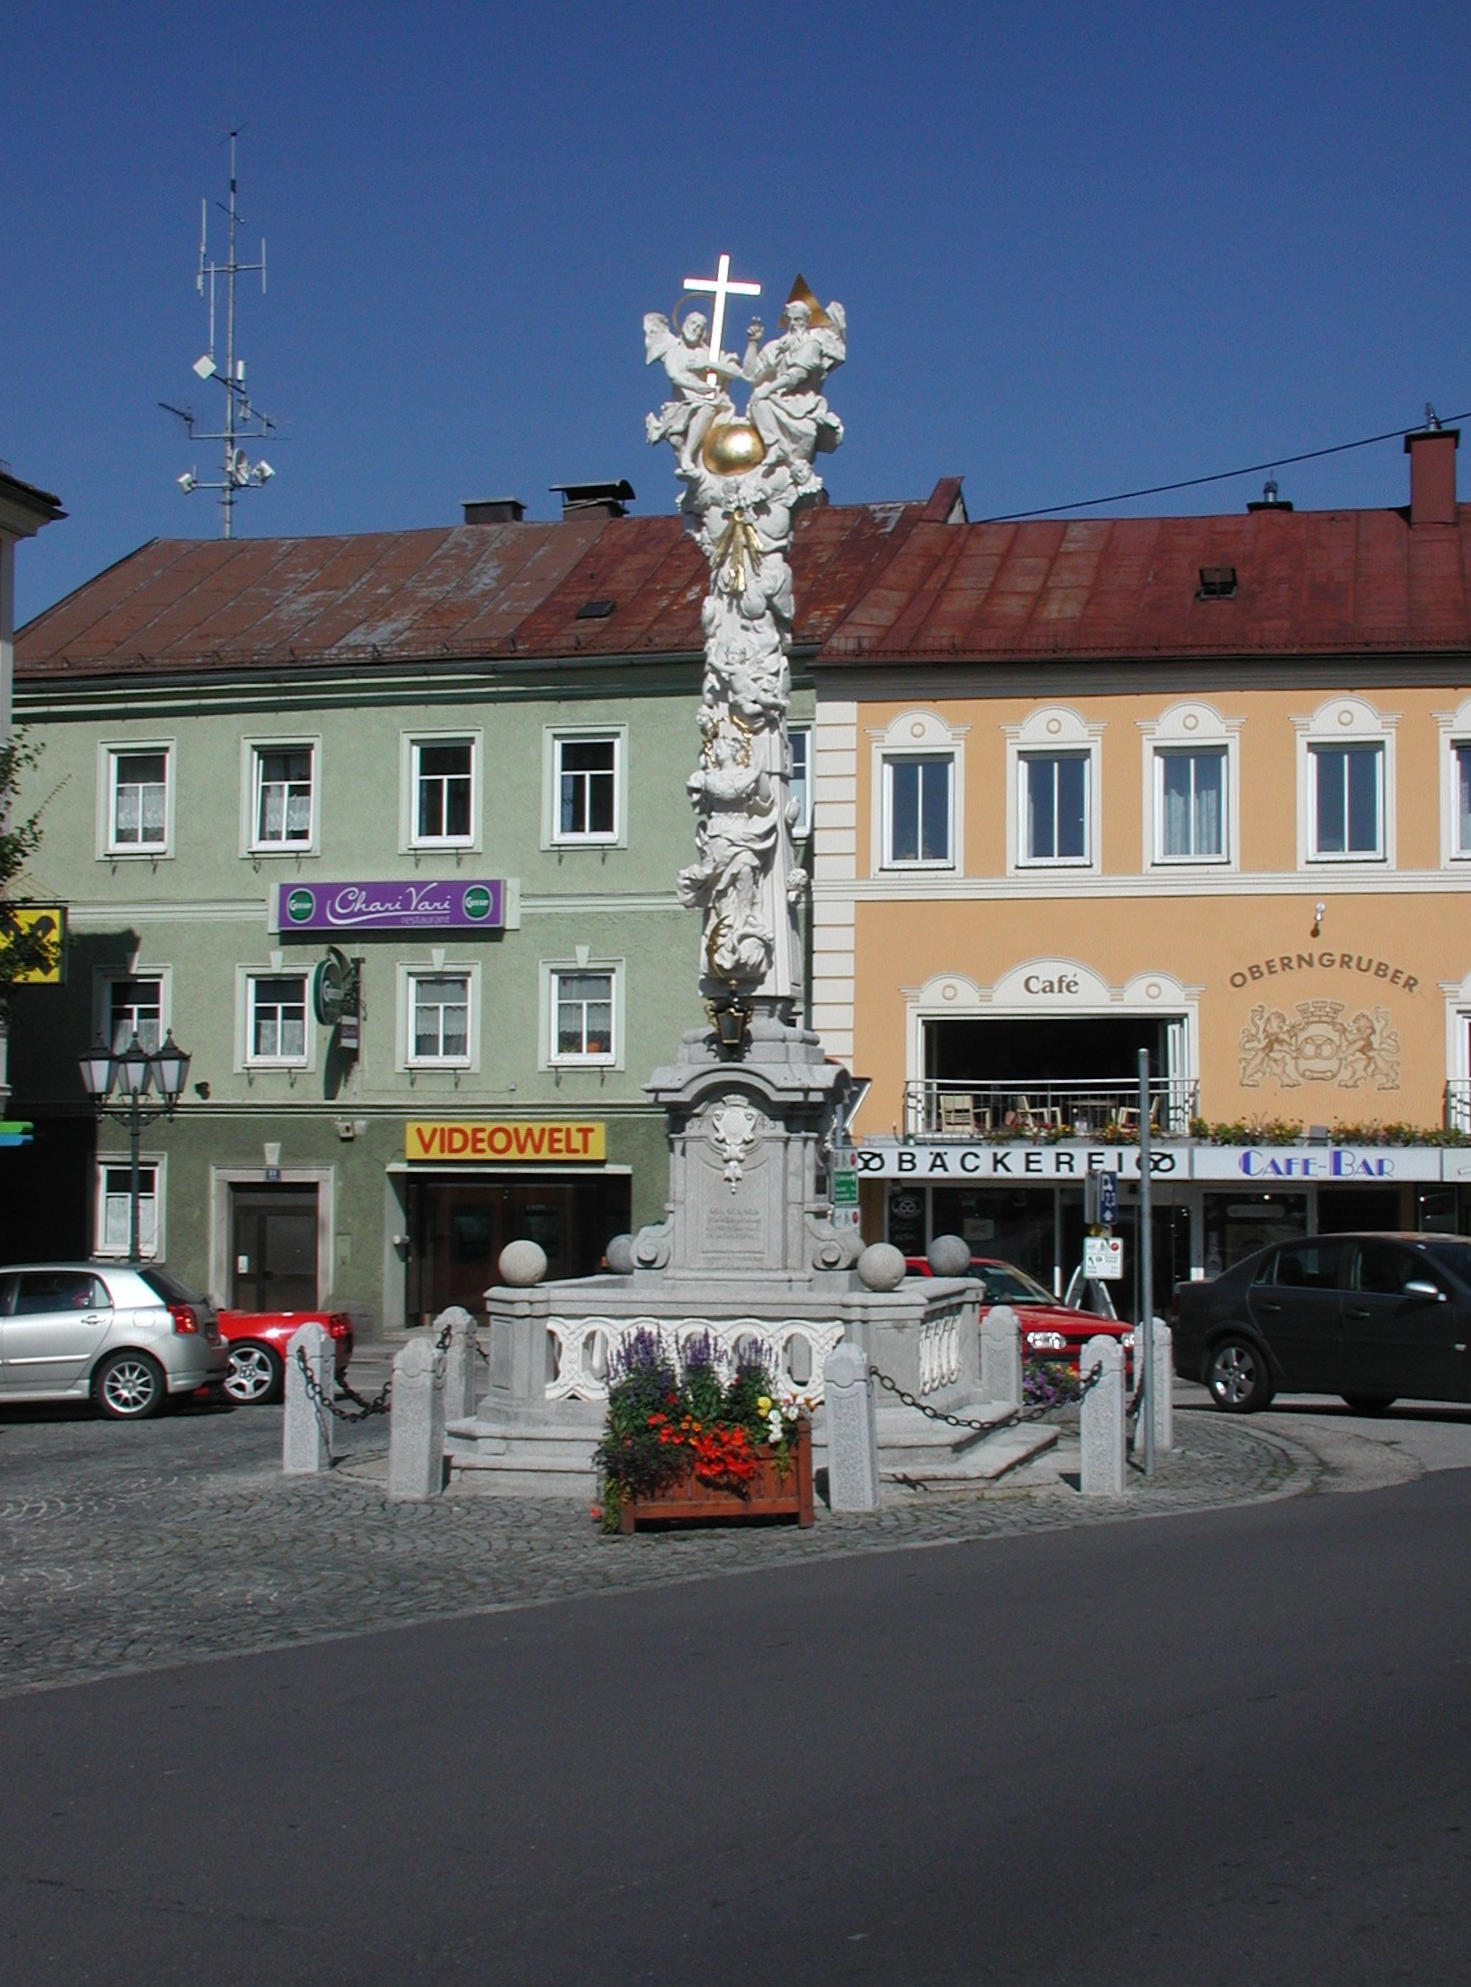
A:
299	906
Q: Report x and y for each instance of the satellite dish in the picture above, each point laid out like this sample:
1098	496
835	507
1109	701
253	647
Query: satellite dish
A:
335	988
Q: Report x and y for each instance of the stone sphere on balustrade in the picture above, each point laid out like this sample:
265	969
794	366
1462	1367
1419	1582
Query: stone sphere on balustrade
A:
523	1263
949	1255
619	1256
882	1266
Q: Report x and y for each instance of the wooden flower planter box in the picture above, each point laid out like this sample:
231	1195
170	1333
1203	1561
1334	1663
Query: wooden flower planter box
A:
770	1495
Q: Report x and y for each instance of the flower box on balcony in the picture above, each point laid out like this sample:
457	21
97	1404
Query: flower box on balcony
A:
773	1493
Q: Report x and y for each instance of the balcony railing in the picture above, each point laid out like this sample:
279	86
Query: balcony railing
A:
1076	1107
1458	1104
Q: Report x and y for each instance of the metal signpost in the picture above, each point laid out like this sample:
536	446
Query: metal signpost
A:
1144	1330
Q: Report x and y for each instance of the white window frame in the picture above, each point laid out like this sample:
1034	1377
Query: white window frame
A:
1345	721
105	1163
554	737
107	977
1455	733
1190	727
1051	732
437	966
802	826
109	752
251	750
410	742
891	761
912	734
551	969
246	976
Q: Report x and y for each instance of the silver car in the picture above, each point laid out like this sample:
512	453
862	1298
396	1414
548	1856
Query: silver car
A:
127	1336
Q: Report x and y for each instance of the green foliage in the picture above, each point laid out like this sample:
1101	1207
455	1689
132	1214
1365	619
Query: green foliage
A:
21	951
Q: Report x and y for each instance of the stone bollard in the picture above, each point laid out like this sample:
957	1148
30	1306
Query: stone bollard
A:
852	1431
306	1441
1164	1390
1104	1456
416	1422
461	1381
1001	1356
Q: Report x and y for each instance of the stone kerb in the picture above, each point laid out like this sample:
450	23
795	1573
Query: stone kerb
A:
1105	1461
1001	1356
416	1422
852	1432
306	1437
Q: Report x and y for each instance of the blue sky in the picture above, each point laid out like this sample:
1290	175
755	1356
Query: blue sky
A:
1083	247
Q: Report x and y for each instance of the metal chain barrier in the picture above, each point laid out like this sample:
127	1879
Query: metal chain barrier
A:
1017	1414
381	1402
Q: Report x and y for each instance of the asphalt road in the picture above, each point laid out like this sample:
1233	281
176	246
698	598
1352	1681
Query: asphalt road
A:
1221	1748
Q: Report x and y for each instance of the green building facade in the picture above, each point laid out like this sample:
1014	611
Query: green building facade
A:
203	798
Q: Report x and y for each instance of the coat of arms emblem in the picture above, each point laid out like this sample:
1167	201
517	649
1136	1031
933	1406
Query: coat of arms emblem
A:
1320	1046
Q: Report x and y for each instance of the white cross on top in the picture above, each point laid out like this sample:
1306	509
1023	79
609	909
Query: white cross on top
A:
719	286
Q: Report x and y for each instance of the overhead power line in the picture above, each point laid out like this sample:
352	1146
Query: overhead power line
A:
1221	476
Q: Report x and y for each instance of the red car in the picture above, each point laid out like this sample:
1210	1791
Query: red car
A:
258	1342
1050	1329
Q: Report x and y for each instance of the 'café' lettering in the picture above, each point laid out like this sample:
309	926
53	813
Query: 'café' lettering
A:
1064	983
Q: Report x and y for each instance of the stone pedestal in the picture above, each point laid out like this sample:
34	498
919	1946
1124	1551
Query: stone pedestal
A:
416	1422
852	1433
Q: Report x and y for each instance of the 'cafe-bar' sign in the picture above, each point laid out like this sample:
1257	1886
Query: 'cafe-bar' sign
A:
437	905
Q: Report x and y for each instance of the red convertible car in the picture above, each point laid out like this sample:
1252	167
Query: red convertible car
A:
258	1340
1050	1329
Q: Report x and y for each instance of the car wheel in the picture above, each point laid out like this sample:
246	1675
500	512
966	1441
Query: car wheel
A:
1369	1403
1238	1378
130	1386
255	1375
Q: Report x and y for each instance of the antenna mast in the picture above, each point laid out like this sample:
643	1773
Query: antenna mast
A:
242	422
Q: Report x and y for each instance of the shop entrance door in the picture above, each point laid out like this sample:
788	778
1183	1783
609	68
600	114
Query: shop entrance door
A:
273	1248
458	1227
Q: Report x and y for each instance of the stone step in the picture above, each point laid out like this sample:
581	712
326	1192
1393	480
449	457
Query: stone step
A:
998	1454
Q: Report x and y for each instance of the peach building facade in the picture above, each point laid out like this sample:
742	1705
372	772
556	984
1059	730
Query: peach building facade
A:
1200	787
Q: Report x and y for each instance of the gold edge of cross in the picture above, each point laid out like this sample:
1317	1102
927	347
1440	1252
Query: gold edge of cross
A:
719	286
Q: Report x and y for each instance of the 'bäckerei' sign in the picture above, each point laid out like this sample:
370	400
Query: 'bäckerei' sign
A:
528	1140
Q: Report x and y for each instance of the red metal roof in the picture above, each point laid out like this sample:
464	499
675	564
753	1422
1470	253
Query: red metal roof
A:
1306	582
876	583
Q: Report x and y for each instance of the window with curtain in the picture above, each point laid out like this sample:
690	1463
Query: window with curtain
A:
140	788
283	796
582	1016
440	1017
1190	805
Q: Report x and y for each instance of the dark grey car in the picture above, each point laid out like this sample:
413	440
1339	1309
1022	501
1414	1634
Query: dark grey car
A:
1372	1317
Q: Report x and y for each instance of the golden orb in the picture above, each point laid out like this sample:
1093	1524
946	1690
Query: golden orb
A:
732	448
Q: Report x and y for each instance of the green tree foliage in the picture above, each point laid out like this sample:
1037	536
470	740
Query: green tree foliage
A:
22	949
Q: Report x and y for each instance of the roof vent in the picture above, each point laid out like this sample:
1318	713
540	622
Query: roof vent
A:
1269	500
1217	582
611	499
595	610
494	510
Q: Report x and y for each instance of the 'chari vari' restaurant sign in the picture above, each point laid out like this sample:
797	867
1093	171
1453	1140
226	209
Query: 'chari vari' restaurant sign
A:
524	1140
436	905
1271	1165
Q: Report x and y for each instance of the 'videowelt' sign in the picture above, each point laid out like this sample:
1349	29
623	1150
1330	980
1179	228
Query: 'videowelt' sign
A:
440	905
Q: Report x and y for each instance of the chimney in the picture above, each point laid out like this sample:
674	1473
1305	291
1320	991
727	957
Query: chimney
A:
605	499
1432	453
494	510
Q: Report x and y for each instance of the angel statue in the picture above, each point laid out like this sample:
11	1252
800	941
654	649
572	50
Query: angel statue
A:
697	381
787	376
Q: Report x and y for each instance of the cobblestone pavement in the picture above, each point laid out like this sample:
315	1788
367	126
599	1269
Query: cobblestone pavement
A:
127	1547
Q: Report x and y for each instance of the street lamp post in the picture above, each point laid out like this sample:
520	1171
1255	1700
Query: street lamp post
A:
130	1075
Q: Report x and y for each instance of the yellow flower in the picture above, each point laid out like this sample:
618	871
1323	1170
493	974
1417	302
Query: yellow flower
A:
763	1404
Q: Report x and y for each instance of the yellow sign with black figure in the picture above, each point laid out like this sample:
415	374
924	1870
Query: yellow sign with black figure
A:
46	922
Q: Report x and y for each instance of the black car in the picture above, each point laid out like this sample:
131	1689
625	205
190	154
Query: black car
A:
1369	1317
